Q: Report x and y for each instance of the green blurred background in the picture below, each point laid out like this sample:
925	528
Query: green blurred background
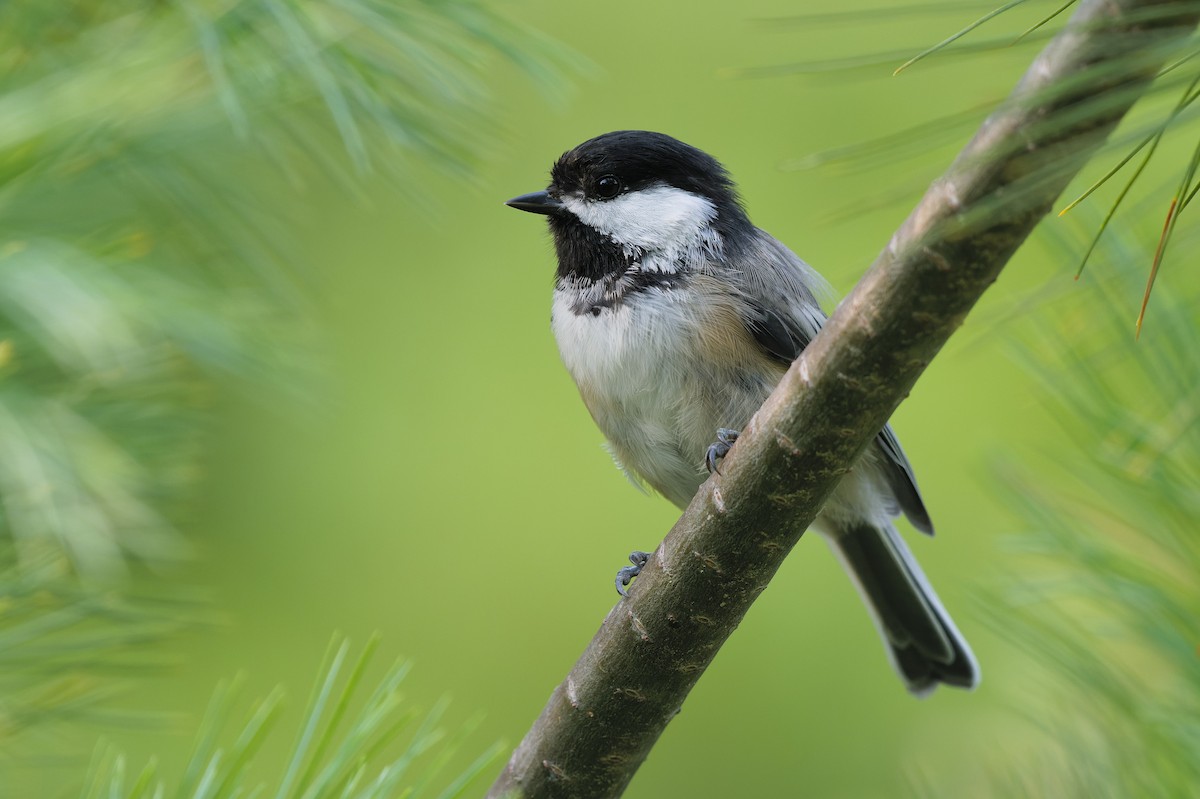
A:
433	475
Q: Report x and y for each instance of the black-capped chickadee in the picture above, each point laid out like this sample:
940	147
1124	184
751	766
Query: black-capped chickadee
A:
676	317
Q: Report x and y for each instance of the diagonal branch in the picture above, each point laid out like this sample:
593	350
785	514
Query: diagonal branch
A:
602	721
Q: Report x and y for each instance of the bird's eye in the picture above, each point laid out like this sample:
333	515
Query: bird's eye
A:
608	187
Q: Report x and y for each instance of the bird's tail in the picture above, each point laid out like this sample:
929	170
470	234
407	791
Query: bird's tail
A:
922	642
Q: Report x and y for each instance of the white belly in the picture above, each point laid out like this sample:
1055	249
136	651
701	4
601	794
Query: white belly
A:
659	383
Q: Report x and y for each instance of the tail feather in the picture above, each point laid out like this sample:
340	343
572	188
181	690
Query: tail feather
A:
922	642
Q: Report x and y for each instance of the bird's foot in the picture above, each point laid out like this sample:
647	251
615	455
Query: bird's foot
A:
625	575
719	448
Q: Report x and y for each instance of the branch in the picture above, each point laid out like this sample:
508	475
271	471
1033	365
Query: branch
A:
602	721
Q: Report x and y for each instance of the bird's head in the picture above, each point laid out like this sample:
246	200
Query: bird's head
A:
646	193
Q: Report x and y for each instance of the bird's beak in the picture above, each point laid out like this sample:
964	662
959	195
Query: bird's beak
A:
539	202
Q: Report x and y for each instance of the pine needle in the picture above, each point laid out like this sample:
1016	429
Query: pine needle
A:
262	718
335	764
214	58
205	747
887	12
1188	199
1185	187
309	53
1045	20
1090	189
1190	95
956	36
1108	217
339	710
312	715
145	781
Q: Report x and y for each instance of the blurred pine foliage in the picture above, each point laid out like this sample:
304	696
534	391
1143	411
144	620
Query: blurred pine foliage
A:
138	255
1106	604
1123	168
65	650
346	748
144	268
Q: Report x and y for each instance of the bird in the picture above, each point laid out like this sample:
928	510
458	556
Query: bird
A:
676	317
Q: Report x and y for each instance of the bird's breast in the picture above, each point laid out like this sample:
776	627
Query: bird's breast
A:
660	371
624	348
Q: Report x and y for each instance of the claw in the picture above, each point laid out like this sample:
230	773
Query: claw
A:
719	448
626	575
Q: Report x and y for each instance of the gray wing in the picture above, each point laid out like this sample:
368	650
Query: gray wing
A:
783	315
902	481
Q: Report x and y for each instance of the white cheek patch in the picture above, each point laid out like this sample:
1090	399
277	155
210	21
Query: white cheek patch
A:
656	219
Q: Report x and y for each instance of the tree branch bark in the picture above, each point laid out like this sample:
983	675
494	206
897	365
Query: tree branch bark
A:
601	722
